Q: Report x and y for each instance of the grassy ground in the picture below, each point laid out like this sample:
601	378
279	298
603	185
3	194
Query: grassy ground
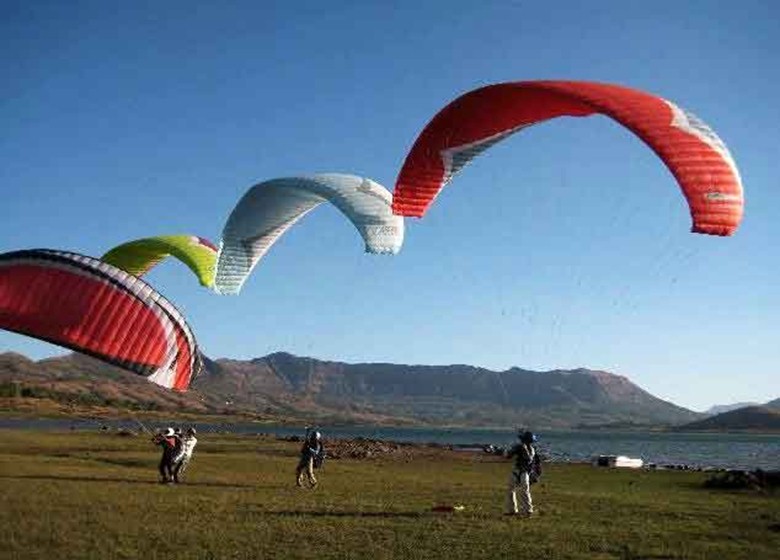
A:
95	495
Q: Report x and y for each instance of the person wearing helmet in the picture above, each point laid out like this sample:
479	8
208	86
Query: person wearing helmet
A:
167	440
526	469
312	455
184	454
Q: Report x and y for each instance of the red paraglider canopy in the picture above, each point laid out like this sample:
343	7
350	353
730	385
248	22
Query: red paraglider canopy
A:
698	159
90	306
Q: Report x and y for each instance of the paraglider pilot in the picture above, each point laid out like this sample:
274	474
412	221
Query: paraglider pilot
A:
312	455
170	445
526	470
184	454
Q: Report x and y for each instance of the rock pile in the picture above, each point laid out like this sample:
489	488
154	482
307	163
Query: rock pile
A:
754	480
363	448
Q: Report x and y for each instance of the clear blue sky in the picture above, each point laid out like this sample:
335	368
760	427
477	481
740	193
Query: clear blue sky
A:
567	245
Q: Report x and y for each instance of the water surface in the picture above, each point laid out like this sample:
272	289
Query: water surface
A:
721	450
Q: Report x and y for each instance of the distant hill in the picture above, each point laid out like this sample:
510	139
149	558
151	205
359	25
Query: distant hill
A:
773	404
754	418
289	386
79	380
721	408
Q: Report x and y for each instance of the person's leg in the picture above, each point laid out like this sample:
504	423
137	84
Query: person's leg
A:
299	472
525	494
310	472
162	468
169	470
511	496
182	466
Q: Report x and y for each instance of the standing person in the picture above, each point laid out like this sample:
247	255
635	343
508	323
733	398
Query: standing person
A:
182	458
312	455
177	438
527	468
167	441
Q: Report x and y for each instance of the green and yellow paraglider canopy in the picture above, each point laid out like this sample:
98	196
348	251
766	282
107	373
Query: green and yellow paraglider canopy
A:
139	256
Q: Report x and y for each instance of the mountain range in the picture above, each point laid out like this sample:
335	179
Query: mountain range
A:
439	395
281	386
287	386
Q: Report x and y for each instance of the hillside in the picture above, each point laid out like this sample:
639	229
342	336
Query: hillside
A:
454	394
773	404
753	418
79	380
721	408
281	385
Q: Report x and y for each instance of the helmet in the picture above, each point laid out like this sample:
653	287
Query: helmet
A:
168	432
177	431
315	436
191	430
527	437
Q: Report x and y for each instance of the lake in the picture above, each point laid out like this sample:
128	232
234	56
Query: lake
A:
721	450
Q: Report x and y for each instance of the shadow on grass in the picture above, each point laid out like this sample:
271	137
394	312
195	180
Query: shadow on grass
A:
125	480
380	514
125	462
111	461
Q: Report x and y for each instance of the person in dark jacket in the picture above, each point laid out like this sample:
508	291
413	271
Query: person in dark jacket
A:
312	455
526	469
168	442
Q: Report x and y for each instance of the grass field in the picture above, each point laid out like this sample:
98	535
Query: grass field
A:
95	495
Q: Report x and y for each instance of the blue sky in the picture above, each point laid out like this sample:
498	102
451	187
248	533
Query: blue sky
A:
567	245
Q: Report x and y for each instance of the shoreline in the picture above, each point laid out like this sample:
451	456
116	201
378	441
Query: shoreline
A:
669	450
